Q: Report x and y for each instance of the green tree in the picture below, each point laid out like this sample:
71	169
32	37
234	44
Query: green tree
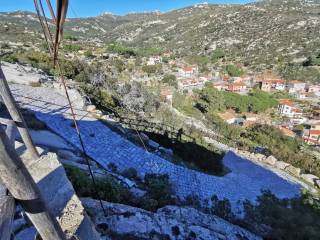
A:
233	71
171	80
217	54
151	69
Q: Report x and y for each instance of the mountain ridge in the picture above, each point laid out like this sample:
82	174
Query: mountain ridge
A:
265	32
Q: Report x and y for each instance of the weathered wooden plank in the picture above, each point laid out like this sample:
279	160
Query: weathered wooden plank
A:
21	185
11	132
7	209
11	129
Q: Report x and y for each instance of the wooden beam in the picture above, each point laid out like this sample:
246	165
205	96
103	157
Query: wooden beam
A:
23	188
16	115
7	210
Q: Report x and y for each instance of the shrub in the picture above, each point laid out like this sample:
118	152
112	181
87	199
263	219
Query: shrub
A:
72	47
106	188
233	71
88	54
71	38
283	148
151	69
171	80
222	208
35	84
217	54
159	188
130	173
113	167
149	204
11	58
287	219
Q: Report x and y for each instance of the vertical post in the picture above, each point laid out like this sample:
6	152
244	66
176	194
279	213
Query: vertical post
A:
16	115
7	208
21	185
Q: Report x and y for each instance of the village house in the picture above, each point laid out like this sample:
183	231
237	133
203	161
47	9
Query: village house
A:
154	60
314	89
188	71
297	120
287	108
296	86
312	135
221	86
188	84
237	87
269	85
301	95
166	95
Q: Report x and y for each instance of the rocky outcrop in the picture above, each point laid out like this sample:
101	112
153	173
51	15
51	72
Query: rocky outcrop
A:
170	222
309	178
271	160
293	170
281	165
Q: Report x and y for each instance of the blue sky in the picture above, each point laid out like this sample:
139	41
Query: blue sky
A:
120	7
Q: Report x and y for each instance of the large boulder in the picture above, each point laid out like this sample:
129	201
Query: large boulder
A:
153	144
91	108
271	160
293	170
309	178
170	222
281	165
259	157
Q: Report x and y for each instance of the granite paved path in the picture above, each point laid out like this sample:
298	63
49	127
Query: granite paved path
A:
245	181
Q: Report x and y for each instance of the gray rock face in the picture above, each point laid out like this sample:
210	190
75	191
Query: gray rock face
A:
309	178
293	170
281	165
271	160
170	222
260	157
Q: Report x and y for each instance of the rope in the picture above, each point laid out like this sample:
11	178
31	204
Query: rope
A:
58	66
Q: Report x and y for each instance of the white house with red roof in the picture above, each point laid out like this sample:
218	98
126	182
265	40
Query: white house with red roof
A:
312	135
221	86
273	84
237	87
288	109
188	71
191	83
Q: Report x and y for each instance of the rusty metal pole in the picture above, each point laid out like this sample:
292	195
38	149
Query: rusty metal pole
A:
23	188
16	115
